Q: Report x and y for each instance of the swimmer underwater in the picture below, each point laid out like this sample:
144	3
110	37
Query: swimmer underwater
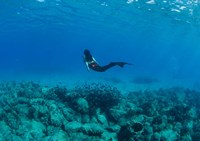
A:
91	63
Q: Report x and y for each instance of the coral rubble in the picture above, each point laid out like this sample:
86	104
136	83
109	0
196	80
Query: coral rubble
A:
97	112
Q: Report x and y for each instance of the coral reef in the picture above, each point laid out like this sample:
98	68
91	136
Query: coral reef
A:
97	112
97	95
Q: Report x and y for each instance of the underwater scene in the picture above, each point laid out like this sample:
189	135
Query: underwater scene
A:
99	70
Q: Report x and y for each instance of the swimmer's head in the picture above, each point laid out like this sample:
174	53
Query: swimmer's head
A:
87	52
88	56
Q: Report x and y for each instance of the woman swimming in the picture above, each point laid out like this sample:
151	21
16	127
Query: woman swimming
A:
91	63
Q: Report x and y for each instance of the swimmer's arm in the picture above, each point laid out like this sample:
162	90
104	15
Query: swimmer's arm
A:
86	63
95	60
87	66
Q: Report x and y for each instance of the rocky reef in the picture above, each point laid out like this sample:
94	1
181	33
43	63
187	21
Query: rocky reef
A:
97	112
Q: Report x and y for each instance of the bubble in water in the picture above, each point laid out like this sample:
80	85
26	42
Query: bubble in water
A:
40	0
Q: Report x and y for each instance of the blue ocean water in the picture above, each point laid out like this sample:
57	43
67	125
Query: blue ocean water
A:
44	39
47	93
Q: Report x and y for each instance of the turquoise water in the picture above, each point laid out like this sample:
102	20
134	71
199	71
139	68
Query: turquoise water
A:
43	38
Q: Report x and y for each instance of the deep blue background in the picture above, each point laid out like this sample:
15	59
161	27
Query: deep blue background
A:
49	37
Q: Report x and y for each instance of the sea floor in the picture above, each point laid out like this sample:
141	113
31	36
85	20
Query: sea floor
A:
60	107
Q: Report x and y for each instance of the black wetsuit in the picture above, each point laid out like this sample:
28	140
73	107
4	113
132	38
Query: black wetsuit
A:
92	63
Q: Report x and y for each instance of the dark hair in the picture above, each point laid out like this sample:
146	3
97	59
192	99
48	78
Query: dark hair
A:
88	56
